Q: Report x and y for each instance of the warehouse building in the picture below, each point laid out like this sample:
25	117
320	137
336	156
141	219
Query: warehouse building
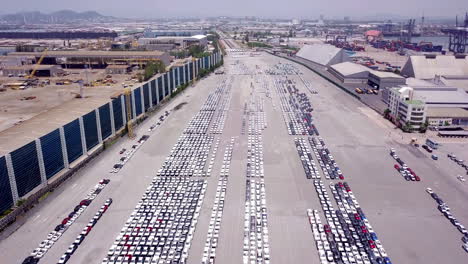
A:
429	66
117	69
447	116
349	72
323	54
96	59
41	70
149	33
172	42
439	104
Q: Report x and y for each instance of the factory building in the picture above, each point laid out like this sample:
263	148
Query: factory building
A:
429	66
323	54
349	72
41	70
438	103
149	33
172	42
96	59
117	69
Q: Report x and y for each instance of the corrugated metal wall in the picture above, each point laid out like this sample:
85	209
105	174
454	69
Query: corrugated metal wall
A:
137	93
153	92
26	167
117	108
52	153
104	116
160	89
73	140
146	98
90	128
6	198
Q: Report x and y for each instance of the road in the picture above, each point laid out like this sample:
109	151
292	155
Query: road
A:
405	218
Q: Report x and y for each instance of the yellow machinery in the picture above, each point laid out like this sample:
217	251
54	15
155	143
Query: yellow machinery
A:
44	53
128	97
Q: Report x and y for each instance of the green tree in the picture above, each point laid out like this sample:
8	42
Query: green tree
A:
152	68
424	127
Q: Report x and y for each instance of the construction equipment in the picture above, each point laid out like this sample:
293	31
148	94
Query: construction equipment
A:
36	67
128	97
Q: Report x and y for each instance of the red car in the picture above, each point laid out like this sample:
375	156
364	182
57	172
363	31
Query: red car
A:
397	167
364	229
371	243
327	228
416	177
357	216
341	176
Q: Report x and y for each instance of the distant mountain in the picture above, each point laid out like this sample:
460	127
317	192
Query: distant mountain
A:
59	17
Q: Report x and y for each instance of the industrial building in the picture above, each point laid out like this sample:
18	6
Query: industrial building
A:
447	116
440	104
172	42
349	72
117	69
323	54
96	59
14	34
149	33
429	66
41	70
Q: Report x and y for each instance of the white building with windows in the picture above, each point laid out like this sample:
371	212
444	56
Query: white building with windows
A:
405	109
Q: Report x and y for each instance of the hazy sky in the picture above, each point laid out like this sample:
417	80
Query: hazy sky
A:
261	8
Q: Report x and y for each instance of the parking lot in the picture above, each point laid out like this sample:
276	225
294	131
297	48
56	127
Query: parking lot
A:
222	180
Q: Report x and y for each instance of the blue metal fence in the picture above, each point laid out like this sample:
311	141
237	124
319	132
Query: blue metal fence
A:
153	92
137	93
6	198
73	140
146	98
52	153
90	128
105	119
160	88
26	167
117	108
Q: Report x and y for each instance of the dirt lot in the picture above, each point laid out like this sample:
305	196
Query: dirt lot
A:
15	109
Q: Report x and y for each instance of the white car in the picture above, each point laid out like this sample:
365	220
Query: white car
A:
429	190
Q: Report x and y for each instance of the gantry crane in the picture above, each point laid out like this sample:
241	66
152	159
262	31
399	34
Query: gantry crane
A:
128	99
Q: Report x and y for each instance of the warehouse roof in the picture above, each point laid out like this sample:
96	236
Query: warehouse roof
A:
90	53
348	68
441	95
323	54
31	66
450	112
427	67
382	74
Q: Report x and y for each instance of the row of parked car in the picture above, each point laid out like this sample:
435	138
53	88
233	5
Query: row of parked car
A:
445	210
296	108
348	236
63	226
405	171
308	163
79	239
220	119
256	247
326	161
127	154
159	122
161	228
211	244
